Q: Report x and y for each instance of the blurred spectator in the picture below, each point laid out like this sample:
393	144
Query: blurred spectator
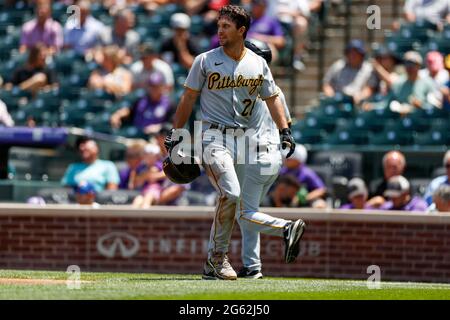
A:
351	76
149	112
295	13
436	182
149	63
394	164
284	192
439	76
154	176
129	176
34	75
161	135
398	193
85	194
85	36
441	199
435	12
435	69
446	89
312	189
111	77
5	117
180	48
410	91
42	29
102	174
384	64
266	28
357	195
122	34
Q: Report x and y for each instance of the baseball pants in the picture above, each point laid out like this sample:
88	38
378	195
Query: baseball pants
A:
256	183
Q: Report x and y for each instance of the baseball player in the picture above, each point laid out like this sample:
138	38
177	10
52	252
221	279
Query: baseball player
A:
258	178
229	80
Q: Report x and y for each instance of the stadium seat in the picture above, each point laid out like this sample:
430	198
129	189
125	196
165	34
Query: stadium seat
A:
433	137
408	124
418	186
347	137
14	98
116	197
100	123
363	124
57	195
310	136
391	137
317	122
130	132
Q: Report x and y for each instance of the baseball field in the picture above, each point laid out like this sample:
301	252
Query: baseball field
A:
18	284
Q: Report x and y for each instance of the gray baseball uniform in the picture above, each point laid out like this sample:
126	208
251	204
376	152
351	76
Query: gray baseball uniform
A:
229	91
257	180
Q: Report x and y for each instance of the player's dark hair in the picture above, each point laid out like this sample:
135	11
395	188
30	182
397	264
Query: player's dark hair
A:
238	15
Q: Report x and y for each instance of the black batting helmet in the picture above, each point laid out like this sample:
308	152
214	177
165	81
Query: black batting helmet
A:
182	173
260	48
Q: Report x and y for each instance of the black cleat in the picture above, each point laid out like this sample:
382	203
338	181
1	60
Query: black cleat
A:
246	273
292	235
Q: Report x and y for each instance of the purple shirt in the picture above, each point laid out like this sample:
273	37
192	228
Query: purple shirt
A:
51	35
416	204
124	175
305	176
146	112
266	25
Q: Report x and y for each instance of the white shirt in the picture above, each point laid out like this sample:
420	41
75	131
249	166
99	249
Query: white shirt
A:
5	118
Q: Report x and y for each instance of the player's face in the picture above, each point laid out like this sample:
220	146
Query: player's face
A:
359	201
393	167
228	33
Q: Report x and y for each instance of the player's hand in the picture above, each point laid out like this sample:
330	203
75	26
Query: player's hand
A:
287	141
169	143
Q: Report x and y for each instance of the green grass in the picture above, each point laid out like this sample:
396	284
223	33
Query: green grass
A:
164	286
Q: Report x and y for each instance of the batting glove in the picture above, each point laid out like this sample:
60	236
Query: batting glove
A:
287	141
169	144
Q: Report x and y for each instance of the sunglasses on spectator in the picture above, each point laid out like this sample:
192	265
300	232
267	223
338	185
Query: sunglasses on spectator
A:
447	166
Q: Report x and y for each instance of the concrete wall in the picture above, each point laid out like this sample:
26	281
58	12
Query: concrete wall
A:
337	244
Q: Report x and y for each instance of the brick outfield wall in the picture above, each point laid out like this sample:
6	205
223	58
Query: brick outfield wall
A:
336	244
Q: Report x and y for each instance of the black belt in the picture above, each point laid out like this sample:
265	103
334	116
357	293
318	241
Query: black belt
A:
223	128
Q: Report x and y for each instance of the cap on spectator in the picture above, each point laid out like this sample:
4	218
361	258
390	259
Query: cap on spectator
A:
413	57
84	187
356	44
356	187
300	153
180	21
447	61
383	51
147	49
396	186
155	79
152	149
435	60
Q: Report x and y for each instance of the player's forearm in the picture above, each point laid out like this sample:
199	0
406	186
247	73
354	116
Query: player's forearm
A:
277	112
184	108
